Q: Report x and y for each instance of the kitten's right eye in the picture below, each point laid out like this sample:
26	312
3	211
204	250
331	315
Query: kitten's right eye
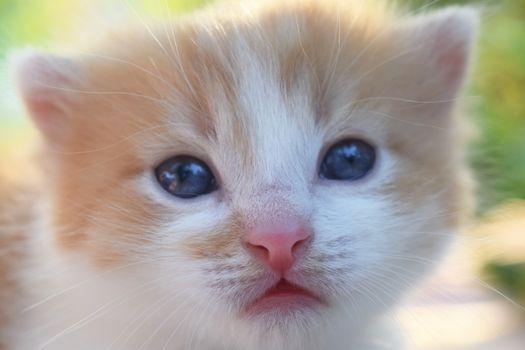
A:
185	177
348	160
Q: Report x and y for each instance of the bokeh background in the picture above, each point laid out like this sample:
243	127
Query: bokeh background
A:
476	300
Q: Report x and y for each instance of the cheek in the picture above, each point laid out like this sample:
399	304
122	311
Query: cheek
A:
201	234
360	222
377	229
122	228
193	227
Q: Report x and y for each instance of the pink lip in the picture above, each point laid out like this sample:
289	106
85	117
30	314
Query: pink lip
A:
284	297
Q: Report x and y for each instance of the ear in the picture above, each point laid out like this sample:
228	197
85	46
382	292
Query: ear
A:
43	81
444	42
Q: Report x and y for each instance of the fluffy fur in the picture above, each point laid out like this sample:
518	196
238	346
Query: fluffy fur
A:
259	92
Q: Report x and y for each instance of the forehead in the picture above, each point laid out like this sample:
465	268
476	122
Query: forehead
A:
257	94
288	64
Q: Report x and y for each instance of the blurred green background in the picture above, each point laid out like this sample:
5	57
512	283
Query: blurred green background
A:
496	94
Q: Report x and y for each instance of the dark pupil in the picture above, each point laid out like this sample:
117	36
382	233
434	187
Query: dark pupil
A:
347	160
185	177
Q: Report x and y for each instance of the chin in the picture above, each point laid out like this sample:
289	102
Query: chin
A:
285	317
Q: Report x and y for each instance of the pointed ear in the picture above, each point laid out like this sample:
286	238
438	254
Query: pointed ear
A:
43	81
444	40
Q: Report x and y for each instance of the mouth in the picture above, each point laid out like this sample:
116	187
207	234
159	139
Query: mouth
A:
284	298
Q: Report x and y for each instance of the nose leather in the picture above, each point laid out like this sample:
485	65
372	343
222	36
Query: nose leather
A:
278	245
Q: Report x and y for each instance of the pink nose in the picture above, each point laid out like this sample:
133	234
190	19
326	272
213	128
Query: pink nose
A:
278	245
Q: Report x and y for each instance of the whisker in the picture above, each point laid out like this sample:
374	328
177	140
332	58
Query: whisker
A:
100	311
387	61
108	93
149	313
128	63
174	332
89	280
389	116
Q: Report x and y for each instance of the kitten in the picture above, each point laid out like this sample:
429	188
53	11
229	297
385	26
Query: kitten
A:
270	176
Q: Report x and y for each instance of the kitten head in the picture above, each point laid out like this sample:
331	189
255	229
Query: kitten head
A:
271	168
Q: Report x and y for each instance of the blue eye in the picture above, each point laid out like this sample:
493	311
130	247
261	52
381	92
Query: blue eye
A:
347	160
185	177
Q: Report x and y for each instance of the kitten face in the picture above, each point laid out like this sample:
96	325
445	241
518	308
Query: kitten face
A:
260	98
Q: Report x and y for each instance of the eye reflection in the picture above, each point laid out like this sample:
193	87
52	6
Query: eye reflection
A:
185	177
348	160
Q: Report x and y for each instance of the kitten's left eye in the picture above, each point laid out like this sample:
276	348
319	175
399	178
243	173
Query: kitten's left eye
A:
348	160
185	177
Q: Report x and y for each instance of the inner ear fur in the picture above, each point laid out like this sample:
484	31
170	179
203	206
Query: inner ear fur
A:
45	83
